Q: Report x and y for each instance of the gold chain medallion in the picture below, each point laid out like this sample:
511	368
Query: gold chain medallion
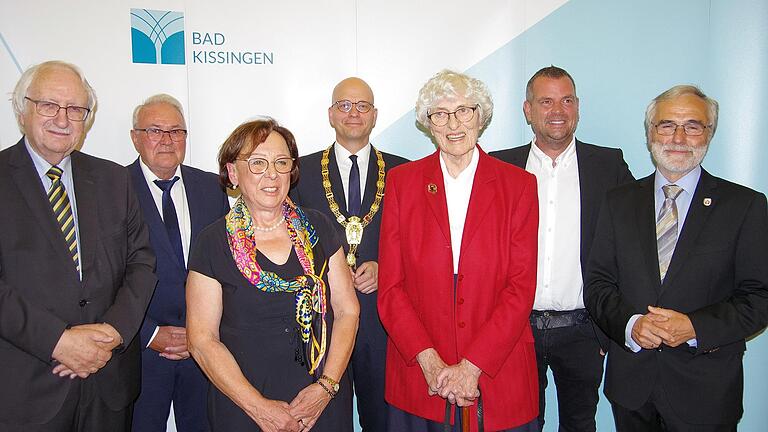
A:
353	226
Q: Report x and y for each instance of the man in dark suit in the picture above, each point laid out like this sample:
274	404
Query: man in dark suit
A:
572	180
177	202
76	267
346	181
678	279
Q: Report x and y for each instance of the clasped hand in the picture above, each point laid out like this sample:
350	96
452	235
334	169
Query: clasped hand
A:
84	349
661	325
456	383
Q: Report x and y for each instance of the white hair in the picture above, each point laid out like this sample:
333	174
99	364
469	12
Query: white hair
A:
157	99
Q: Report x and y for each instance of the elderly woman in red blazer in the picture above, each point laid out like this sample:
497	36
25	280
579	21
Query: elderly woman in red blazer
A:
457	273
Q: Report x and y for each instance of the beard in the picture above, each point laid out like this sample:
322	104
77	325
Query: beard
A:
677	164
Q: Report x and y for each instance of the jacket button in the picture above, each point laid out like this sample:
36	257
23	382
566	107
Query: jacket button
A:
83	302
461	300
461	324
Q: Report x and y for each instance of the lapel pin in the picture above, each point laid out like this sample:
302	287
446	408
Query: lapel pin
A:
707	202
432	188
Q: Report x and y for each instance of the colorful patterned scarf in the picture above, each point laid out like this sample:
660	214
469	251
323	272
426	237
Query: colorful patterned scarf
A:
309	288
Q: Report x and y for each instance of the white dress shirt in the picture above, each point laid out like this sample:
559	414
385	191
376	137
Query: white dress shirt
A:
345	166
559	283
457	193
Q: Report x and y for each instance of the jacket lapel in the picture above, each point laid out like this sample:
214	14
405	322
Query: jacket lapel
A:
87	212
646	227
27	181
369	193
434	194
194	202
336	185
694	223
480	199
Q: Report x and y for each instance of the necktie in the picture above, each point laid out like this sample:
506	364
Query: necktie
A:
353	203
170	219
62	210
666	228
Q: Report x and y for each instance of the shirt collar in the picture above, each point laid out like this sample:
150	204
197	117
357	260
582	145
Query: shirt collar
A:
687	182
465	176
565	158
42	166
342	154
151	177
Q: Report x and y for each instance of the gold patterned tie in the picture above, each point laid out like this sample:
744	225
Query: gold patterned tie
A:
62	210
666	228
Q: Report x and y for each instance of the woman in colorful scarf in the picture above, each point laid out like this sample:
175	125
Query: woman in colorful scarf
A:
271	312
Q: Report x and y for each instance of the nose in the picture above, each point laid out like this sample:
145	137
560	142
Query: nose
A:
271	171
679	135
165	138
60	119
453	122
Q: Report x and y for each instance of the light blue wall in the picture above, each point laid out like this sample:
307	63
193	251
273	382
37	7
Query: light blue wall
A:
622	54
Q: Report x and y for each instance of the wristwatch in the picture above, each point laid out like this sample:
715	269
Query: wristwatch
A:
334	384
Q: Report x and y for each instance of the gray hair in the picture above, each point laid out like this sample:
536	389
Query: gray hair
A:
551	71
29	76
157	99
447	83
675	92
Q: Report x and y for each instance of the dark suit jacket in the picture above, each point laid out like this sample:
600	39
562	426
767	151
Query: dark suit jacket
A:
600	169
41	294
718	276
207	202
309	192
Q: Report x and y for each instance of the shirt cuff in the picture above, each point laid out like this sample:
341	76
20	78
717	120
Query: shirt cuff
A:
154	333
693	343
628	341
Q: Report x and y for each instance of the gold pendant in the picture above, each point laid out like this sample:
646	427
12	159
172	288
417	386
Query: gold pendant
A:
354	230
351	260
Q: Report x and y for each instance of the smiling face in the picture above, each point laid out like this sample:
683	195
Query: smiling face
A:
53	138
456	139
263	192
676	155
552	112
164	156
353	129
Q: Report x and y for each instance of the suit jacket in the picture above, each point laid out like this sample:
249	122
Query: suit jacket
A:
309	192
41	293
207	202
717	276
486	320
600	169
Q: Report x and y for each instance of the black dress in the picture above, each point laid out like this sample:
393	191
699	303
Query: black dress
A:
260	330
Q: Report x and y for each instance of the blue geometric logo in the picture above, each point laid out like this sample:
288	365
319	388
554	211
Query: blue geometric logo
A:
157	36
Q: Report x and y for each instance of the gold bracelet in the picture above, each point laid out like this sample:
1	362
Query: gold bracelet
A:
330	380
327	390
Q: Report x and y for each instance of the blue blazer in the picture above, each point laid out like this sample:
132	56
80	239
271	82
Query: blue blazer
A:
207	202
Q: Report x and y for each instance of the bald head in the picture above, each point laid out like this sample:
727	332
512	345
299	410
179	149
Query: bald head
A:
353	128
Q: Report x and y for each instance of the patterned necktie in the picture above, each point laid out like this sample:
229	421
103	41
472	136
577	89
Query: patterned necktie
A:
353	204
666	228
62	210
170	218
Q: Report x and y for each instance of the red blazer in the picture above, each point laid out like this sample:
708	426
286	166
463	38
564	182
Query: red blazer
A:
488	322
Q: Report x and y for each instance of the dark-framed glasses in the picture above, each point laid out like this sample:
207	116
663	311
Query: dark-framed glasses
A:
258	165
462	114
691	128
156	134
51	109
345	106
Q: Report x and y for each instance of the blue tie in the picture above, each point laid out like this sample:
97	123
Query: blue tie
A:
353	206
170	218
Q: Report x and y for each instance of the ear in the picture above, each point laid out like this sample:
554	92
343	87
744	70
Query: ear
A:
232	173
135	139
330	116
375	116
527	111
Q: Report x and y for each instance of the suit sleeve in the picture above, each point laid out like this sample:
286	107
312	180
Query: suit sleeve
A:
498	336
601	291
127	311
745	312
396	310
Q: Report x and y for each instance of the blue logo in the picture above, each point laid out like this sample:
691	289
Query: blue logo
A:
157	36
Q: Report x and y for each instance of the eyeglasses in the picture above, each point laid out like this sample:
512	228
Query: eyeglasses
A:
462	114
156	134
51	109
258	165
691	128
345	106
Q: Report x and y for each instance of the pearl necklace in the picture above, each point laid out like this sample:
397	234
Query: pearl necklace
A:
270	228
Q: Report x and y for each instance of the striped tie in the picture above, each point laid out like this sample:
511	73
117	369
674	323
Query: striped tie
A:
666	228
62	209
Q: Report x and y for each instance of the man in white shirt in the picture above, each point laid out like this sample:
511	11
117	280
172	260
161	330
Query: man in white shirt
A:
572	179
346	181
177	202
